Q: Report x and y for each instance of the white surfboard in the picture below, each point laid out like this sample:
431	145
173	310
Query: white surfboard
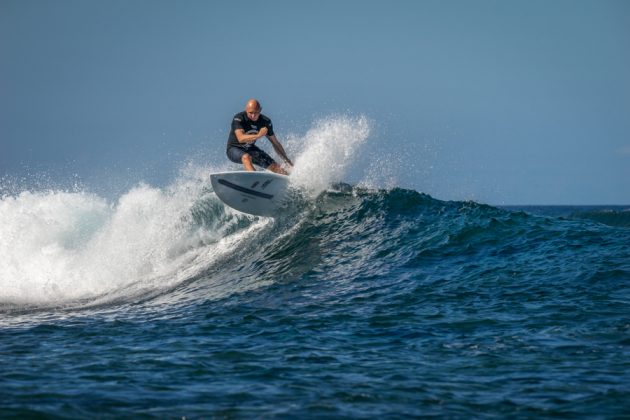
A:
260	193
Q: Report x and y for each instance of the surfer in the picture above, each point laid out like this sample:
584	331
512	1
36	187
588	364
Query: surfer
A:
247	127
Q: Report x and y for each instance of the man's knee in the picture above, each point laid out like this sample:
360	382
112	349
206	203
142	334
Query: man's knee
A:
246	158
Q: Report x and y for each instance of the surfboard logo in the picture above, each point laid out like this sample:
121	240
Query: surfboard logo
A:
245	190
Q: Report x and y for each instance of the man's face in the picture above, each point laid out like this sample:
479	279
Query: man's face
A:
253	113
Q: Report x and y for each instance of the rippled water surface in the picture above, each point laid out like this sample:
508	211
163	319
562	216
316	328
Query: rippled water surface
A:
361	303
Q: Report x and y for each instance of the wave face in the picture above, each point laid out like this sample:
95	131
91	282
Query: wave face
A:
361	302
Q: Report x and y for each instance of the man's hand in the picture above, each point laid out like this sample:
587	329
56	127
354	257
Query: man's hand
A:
262	132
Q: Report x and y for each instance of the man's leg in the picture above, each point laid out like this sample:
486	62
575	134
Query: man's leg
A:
247	162
260	158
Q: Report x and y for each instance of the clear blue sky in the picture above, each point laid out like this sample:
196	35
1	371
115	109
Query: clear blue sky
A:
506	102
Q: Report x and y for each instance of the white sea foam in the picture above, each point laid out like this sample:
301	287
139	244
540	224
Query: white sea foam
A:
60	247
328	151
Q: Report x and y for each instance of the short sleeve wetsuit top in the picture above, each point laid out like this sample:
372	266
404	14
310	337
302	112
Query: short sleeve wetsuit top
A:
236	150
240	121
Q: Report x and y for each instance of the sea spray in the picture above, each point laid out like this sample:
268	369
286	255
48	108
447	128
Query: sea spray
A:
329	150
38	234
59	247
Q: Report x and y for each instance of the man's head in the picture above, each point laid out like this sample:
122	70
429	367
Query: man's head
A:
253	108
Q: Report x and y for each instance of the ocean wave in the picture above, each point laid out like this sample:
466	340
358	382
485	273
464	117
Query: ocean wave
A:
164	246
75	247
610	217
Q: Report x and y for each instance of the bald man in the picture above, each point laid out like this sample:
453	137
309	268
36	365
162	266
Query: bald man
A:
247	127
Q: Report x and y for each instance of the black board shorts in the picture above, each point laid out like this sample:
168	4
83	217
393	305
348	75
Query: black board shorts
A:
259	157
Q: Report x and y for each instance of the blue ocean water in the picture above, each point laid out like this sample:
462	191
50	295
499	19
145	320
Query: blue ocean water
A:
362	303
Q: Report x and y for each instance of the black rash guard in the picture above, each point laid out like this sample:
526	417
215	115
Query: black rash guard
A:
240	121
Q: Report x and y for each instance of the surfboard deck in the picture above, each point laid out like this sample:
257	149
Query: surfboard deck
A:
260	193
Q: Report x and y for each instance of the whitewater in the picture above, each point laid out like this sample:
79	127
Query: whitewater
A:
365	300
62	247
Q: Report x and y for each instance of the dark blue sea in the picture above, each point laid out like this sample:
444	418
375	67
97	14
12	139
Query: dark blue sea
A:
359	303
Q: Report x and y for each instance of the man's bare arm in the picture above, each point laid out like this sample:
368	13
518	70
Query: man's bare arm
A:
248	138
279	149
